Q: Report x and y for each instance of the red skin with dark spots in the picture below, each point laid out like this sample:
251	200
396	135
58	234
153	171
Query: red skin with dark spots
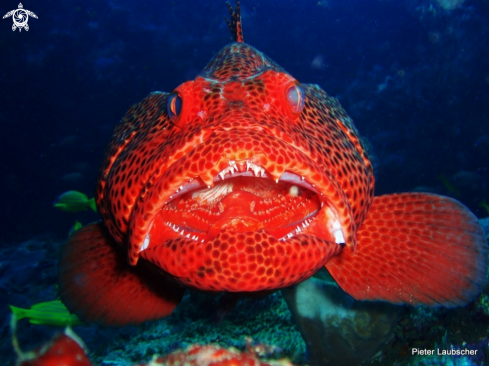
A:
243	188
233	116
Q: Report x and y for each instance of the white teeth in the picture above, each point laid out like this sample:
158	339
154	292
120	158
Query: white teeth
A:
230	169
339	238
190	185
232	166
146	243
297	230
257	170
177	230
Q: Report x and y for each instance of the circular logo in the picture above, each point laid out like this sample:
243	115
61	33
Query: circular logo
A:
20	18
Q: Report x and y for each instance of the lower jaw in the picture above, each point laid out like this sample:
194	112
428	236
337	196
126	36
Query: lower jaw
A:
242	261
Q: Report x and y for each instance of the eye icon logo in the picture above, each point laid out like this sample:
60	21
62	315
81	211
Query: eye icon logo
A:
20	17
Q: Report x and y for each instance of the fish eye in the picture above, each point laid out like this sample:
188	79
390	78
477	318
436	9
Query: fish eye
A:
295	97
174	105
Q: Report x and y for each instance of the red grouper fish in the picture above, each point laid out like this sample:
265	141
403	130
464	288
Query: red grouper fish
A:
245	180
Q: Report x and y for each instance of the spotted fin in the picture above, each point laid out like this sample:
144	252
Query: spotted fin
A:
97	284
415	248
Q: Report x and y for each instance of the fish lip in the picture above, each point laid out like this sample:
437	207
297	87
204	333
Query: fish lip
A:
288	176
166	188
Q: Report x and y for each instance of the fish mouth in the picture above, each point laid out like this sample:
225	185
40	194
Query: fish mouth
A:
244	198
251	219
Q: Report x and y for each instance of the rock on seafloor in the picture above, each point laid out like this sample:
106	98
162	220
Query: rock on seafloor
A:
338	329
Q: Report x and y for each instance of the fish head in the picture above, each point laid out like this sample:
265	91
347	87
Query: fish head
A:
242	179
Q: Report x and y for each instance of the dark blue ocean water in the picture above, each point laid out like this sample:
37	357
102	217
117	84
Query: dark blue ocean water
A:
413	76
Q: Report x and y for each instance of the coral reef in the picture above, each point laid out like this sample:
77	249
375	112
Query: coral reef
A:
197	355
67	349
195	320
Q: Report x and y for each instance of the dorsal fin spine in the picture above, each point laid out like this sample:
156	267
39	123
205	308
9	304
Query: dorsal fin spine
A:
234	24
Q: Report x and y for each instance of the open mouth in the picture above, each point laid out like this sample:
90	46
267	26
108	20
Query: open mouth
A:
247	232
244	198
246	216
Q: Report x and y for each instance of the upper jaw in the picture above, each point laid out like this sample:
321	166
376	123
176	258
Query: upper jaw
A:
216	161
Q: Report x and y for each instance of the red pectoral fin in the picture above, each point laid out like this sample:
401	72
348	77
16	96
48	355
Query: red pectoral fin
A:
415	248
97	284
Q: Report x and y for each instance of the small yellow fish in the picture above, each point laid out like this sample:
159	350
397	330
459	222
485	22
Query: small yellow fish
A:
74	201
50	312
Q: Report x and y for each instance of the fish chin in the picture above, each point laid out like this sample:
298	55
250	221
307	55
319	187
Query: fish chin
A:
243	225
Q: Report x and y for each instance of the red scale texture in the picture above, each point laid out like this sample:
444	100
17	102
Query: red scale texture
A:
170	186
246	261
428	253
93	269
238	61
